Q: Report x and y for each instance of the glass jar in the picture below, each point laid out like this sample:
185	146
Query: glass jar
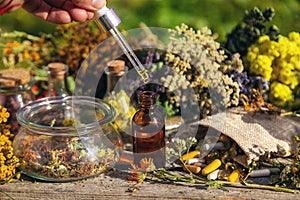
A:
15	92
66	138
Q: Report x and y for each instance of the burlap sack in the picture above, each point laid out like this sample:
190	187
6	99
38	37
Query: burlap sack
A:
256	133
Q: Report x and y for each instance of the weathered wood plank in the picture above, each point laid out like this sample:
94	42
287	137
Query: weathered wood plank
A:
114	185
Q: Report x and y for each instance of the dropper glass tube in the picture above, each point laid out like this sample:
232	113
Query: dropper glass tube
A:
107	20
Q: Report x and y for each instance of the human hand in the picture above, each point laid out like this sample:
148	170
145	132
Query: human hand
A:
55	11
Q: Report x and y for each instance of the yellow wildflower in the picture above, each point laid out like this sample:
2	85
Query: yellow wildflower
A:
4	115
280	94
8	162
279	63
262	66
294	36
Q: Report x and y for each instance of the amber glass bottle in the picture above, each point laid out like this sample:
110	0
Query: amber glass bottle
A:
148	127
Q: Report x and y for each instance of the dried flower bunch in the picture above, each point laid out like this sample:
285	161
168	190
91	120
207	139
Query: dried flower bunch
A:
278	63
198	57
62	159
253	25
76	41
8	161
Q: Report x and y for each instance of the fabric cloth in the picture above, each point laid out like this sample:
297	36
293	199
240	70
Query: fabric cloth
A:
257	134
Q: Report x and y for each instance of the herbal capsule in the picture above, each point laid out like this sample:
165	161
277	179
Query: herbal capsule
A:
200	164
214	175
216	146
211	167
192	168
234	176
264	172
190	155
194	160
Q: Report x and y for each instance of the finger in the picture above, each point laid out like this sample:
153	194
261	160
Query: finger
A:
59	16
90	15
7	6
44	11
34	5
5	3
90	4
77	14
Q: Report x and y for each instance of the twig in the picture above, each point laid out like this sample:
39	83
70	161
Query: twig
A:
167	175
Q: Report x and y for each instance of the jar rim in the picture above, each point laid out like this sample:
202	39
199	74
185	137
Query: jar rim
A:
24	114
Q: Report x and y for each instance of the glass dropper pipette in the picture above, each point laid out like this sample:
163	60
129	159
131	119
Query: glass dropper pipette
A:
108	20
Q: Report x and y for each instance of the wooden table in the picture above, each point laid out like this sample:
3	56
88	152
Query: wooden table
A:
115	185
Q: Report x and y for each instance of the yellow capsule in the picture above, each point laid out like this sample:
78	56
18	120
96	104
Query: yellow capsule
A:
234	176
211	167
190	155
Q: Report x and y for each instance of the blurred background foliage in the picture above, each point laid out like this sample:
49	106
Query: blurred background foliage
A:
219	15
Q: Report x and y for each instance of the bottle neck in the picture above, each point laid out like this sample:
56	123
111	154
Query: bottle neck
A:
147	100
114	72
57	87
112	80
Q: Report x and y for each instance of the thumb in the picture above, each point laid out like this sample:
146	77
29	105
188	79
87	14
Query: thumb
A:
90	4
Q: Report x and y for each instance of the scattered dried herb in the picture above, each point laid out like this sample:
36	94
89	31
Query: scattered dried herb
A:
66	150
290	175
57	158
